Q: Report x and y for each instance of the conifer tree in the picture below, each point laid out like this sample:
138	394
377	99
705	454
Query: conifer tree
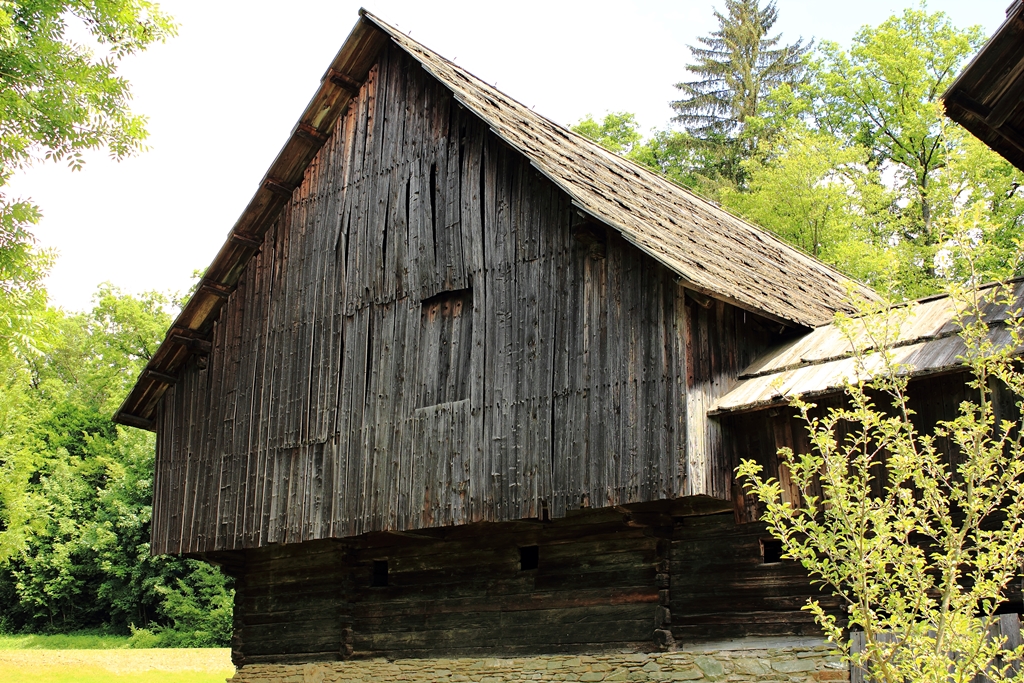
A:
737	66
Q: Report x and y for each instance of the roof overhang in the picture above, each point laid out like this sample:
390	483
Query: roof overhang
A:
986	97
924	340
189	333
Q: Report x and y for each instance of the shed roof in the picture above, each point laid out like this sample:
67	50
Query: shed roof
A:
712	251
926	342
986	98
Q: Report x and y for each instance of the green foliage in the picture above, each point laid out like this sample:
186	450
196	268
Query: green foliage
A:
826	186
72	641
199	606
846	155
671	153
58	98
22	267
737	68
883	95
919	546
864	171
76	490
619	132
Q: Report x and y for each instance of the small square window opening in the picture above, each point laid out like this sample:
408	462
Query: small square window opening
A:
529	557
380	573
771	551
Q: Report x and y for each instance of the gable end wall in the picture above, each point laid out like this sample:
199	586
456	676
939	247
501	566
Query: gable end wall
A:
428	338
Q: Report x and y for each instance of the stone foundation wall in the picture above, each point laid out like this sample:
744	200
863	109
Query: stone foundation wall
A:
807	664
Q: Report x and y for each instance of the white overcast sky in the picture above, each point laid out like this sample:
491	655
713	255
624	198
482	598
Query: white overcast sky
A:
222	97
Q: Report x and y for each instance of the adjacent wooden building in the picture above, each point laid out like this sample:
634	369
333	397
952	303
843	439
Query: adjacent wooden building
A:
458	383
986	97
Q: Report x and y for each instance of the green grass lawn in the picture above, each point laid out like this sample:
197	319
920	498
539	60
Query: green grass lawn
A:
106	659
77	641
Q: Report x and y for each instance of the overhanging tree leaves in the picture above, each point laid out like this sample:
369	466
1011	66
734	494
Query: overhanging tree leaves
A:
821	196
59	98
617	132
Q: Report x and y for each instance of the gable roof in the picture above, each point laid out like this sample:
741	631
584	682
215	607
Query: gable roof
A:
711	251
927	342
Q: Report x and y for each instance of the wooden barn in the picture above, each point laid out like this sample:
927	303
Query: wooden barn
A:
464	389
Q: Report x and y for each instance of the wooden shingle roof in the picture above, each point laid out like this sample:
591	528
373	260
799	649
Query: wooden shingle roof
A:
711	251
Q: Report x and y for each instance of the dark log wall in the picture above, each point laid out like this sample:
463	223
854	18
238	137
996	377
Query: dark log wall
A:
454	592
432	336
721	588
292	603
592	590
604	580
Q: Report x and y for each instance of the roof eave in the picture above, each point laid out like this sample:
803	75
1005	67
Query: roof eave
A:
986	112
340	83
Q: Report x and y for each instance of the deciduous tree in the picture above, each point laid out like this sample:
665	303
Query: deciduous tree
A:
883	93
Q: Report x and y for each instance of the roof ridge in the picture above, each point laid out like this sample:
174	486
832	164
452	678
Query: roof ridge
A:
671	197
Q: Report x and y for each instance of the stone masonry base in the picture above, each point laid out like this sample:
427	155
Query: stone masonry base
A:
808	664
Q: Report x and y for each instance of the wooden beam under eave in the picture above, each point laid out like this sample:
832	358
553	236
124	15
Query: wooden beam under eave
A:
1011	136
281	186
1009	99
199	346
136	421
160	376
251	241
310	133
216	288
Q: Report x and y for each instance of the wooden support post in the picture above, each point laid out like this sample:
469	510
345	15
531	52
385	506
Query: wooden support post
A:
663	616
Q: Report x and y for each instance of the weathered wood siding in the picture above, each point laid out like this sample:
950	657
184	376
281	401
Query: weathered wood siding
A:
431	336
721	341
